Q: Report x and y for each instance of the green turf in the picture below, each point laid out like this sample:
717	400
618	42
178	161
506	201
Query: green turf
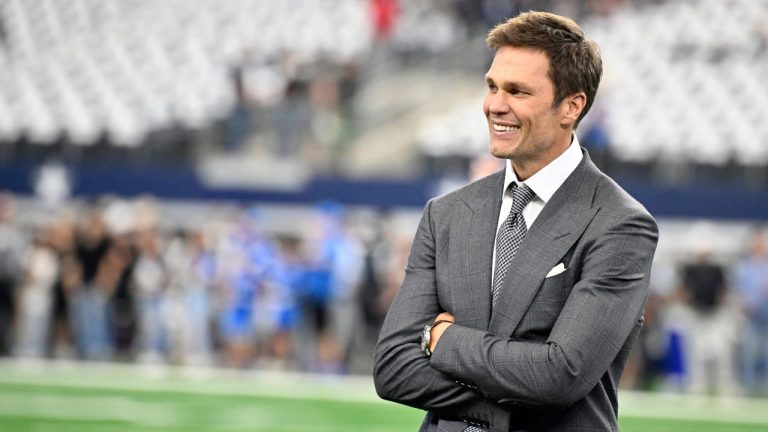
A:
634	424
107	410
127	400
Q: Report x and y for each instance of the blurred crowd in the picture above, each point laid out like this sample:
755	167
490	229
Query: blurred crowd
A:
706	323
108	283
111	281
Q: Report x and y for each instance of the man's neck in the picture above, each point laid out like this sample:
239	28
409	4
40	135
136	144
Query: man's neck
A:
524	169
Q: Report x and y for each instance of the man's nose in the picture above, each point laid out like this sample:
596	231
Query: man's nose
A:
498	103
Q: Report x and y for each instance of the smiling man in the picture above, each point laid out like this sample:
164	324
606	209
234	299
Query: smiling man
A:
524	290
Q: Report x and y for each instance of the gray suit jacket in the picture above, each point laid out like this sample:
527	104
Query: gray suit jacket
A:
550	354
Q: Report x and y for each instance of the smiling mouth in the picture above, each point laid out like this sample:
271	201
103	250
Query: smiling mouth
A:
505	128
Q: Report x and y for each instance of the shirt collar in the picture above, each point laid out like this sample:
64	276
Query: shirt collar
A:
549	179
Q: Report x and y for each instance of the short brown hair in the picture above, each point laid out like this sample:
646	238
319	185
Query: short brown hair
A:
574	61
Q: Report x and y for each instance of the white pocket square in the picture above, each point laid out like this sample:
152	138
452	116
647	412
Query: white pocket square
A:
556	270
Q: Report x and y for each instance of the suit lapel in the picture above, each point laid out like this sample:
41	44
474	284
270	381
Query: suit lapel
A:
478	248
560	223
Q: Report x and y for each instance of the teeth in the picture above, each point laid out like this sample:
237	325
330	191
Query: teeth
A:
502	128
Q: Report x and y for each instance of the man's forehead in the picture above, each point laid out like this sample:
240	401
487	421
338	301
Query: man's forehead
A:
522	60
519	66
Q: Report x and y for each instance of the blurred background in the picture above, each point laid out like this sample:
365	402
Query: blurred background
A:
236	183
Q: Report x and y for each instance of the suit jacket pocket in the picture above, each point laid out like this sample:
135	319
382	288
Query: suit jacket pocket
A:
553	289
538	321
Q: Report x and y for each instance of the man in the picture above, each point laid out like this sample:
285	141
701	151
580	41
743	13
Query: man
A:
528	314
11	268
751	286
710	326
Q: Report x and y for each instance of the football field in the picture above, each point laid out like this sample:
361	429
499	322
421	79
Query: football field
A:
67	396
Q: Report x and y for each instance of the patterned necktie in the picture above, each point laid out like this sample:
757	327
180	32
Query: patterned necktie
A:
510	235
508	240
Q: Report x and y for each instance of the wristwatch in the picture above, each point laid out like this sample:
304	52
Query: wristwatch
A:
426	335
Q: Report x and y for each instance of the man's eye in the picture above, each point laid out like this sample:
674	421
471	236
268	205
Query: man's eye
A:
491	88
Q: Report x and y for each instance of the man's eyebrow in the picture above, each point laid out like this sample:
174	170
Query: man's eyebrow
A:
507	84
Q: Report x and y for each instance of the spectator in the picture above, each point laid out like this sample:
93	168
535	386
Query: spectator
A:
278	309
247	254
653	353
67	278
751	286
150	279
90	313
35	299
331	286
70	281
100	289
709	340
199	276
11	249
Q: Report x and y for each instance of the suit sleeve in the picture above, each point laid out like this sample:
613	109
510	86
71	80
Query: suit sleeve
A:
402	372
602	309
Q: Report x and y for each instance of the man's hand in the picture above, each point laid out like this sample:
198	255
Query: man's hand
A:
438	330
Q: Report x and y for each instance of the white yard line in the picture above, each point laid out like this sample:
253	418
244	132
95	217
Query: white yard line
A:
726	409
157	378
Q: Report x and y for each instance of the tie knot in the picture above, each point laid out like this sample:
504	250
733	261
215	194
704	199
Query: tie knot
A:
521	196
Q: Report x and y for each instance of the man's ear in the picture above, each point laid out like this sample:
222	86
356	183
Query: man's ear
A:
572	106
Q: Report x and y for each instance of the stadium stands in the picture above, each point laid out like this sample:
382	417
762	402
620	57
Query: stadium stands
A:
126	68
684	81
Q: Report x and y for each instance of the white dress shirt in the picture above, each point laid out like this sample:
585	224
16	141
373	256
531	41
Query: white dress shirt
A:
544	184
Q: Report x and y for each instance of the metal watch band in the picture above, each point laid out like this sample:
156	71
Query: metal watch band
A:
426	335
